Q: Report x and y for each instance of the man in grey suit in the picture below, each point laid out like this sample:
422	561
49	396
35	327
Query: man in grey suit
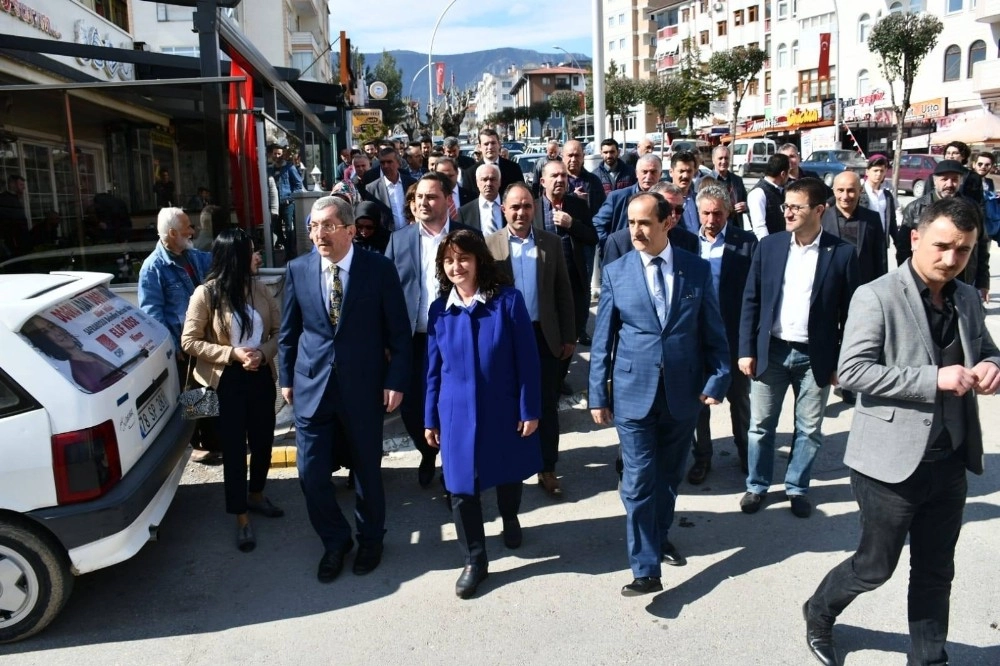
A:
389	190
916	351
534	260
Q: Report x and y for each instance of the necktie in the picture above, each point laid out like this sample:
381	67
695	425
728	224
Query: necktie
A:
336	295
497	222
659	291
452	208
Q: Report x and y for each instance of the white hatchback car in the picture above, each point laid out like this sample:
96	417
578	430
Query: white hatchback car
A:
92	444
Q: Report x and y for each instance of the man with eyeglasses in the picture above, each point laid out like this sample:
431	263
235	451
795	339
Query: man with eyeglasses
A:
794	310
344	363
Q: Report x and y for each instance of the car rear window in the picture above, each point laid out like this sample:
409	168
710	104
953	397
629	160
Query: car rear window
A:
93	339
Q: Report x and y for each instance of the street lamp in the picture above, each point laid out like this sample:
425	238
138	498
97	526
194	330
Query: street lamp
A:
573	59
430	71
410	93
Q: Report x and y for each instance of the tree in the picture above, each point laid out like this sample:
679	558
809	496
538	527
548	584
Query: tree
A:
450	111
521	113
902	41
735	68
620	94
540	111
661	95
566	103
393	107
698	88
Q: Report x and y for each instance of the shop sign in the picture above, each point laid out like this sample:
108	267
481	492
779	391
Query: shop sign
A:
363	120
32	17
927	110
802	116
863	108
87	33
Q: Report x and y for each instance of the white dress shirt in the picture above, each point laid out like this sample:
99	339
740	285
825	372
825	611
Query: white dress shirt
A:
877	203
757	210
490	217
454	300
524	266
429	286
397	199
666	268
792	322
253	336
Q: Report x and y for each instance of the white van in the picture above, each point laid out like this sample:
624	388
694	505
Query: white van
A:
750	156
92	445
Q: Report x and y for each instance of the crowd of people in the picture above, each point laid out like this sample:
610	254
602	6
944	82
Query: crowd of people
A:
448	289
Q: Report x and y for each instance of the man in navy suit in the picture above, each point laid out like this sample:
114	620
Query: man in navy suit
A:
794	310
620	242
613	215
728	250
413	249
344	361
659	319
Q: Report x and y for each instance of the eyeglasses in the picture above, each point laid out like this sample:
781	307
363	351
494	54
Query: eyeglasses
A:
795	208
326	228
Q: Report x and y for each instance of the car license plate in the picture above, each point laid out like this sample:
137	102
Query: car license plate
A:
151	412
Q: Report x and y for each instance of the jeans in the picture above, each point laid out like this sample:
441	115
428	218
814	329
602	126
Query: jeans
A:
286	229
928	506
786	367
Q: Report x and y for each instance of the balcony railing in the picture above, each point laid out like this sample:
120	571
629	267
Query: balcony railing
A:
767	26
666	32
666	62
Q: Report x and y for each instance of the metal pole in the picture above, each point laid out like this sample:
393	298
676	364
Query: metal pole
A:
76	180
410	93
430	71
216	148
573	58
836	85
600	115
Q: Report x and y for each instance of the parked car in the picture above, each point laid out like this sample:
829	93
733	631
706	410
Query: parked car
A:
121	260
750	156
513	145
828	163
913	172
527	163
93	441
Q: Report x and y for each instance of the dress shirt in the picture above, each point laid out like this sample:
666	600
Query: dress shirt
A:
524	264
397	199
877	203
454	300
252	337
667	268
429	286
712	252
757	210
792	322
490	217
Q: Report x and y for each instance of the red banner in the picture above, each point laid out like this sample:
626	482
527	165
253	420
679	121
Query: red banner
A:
243	168
439	74
824	55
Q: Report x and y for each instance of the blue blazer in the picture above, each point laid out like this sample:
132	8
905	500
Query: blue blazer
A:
620	242
613	215
833	285
689	354
373	322
404	252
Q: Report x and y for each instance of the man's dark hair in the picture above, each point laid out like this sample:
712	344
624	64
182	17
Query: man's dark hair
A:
355	151
662	205
425	139
685	156
387	152
486	131
776	165
962	213
436	152
439	178
814	189
988	155
610	142
961	147
369	142
413	144
13	178
446	160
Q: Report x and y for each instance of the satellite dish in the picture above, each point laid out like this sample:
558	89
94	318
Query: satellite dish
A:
378	90
719	7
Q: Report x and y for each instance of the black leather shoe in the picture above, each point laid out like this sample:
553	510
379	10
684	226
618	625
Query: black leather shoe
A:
751	502
332	563
672	557
245	539
699	472
368	558
584	340
819	638
425	473
641	586
512	535
470	579
801	506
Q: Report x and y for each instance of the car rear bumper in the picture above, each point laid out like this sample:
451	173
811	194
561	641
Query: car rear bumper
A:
114	527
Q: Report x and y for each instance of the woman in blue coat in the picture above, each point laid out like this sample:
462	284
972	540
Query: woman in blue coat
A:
483	395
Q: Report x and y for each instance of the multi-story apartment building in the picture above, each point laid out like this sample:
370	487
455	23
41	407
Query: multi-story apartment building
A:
536	85
493	93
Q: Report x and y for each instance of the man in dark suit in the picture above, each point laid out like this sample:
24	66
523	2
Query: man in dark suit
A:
569	218
459	195
794	309
857	225
535	262
722	161
877	195
489	146
728	250
613	215
917	351
658	319
484	213
620	242
344	361
413	249
389	190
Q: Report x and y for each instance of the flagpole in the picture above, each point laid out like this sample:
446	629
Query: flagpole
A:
430	77
836	87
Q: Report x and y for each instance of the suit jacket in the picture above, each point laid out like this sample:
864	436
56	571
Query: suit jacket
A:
373	321
404	252
469	215
555	296
689	355
890	211
890	360
613	214
871	248
620	243
509	173
376	191
736	260
581	232
203	336
835	280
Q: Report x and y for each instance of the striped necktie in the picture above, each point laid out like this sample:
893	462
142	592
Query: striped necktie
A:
336	295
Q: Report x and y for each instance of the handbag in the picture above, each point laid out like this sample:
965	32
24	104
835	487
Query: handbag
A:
198	403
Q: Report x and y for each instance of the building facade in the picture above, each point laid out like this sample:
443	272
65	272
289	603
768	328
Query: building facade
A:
493	93
537	85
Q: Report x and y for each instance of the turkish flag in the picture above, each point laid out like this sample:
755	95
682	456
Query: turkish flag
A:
439	74
824	55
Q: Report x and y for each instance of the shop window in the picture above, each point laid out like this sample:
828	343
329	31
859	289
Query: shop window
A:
952	63
977	53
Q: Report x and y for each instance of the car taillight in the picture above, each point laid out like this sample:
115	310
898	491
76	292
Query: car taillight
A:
85	463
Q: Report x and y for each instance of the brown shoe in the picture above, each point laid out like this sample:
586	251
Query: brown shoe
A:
549	483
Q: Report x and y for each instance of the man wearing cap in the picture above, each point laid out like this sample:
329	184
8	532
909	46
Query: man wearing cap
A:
877	195
947	179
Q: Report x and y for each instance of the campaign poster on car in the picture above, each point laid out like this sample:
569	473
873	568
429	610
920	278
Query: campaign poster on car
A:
94	338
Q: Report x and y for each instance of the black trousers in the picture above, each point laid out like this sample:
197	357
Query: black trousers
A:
928	507
246	419
468	513
738	397
581	299
412	409
548	424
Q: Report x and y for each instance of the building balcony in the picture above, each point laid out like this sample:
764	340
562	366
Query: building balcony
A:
988	11
666	33
767	99
304	41
666	62
767	26
986	77
312	8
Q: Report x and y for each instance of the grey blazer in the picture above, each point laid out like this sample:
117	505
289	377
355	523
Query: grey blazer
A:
888	358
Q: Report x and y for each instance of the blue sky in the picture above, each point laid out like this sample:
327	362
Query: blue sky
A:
469	25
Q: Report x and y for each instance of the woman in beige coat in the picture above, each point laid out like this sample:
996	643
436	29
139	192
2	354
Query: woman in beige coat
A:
231	329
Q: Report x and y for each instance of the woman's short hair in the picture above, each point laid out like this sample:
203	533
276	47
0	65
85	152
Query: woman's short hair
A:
488	276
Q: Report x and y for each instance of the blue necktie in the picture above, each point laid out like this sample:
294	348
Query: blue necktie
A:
659	291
